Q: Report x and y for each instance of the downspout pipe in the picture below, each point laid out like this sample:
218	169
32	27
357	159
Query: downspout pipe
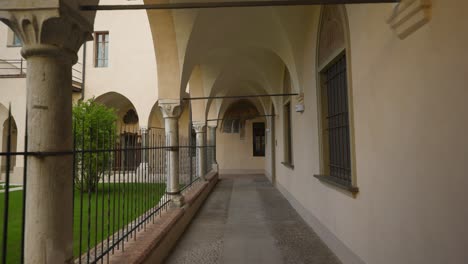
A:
84	73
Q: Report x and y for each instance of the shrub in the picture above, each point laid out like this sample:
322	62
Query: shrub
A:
94	128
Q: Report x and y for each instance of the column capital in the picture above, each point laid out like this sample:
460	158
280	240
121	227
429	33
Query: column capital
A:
57	30
170	108
199	126
212	124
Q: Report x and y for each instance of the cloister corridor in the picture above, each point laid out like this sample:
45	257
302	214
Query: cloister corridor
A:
247	220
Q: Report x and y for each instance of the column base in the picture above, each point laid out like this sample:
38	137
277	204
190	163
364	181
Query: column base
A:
142	168
215	167
178	200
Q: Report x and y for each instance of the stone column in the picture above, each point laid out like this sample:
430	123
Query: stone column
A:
212	143
143	167
51	38
200	129
171	110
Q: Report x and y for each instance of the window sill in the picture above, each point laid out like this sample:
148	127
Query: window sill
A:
337	183
14	46
288	165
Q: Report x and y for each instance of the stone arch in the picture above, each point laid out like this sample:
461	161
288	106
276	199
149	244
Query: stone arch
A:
334	46
232	40
215	109
234	113
167	54
5	132
128	118
155	119
333	34
196	89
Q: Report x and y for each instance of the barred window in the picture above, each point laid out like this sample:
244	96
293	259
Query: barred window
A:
335	120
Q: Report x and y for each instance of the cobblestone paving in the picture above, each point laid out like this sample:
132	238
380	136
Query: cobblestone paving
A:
213	236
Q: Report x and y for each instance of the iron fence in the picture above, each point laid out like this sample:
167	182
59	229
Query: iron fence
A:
120	187
119	180
187	163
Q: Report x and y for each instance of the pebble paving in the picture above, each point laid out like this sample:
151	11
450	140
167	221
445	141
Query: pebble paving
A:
247	220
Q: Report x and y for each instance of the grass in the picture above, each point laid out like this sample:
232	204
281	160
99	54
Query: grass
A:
108	200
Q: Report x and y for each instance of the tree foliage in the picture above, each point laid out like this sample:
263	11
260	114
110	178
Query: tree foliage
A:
95	132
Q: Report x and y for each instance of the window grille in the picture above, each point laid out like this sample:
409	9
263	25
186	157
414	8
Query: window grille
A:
336	130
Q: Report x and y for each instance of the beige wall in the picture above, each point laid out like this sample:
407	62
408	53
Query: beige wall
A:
235	155
13	90
132	64
410	119
411	151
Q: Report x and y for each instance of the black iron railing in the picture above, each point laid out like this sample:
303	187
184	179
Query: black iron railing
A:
17	68
119	188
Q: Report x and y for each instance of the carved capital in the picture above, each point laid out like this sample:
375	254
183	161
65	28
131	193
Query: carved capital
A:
409	16
51	31
170	108
212	124
144	130
200	127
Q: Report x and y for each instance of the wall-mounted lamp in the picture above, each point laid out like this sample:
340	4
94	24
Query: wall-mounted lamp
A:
300	108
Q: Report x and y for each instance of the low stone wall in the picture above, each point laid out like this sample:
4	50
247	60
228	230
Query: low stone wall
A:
155	243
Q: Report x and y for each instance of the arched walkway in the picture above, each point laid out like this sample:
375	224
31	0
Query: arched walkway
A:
240	149
246	220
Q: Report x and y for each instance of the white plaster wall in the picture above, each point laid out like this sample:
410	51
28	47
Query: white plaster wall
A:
13	90
132	64
235	155
7	52
411	120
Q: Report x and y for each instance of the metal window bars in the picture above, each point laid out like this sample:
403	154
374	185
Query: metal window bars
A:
336	91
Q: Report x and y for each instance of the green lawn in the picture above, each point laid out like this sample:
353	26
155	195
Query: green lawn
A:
111	199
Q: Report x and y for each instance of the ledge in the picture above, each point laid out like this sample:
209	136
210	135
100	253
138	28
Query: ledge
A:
288	165
337	183
11	76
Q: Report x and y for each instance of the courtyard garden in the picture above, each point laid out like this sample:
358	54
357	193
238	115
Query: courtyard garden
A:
95	215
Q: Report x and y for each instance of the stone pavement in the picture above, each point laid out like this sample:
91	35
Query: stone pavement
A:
246	220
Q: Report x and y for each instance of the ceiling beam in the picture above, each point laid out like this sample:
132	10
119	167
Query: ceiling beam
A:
227	4
238	96
255	116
